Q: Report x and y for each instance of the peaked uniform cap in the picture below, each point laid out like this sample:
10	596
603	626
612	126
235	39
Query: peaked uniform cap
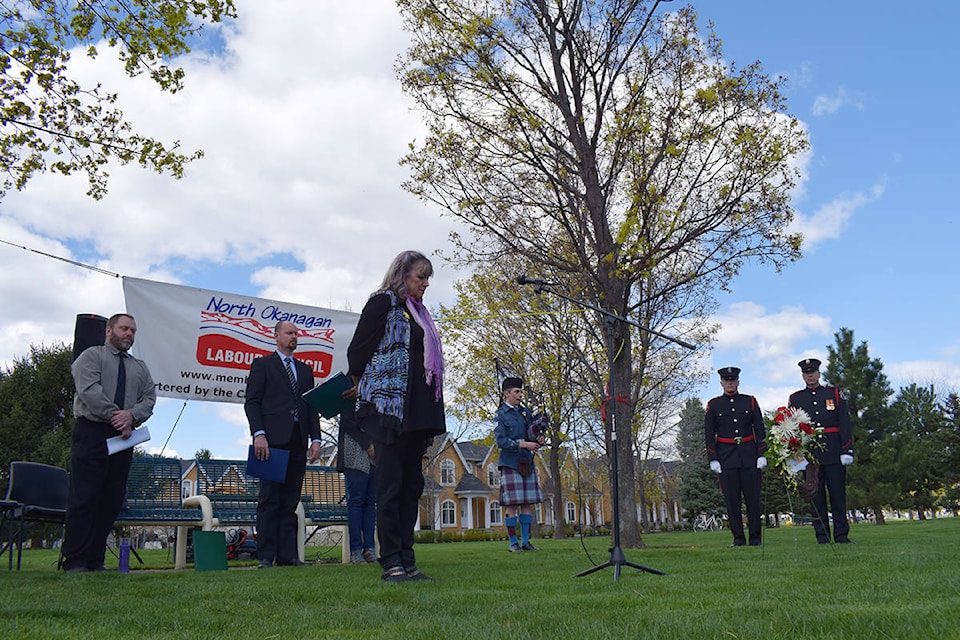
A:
809	364
729	373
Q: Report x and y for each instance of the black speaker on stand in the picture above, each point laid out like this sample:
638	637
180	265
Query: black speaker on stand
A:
90	331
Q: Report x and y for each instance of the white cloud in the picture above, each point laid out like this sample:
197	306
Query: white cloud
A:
302	122
831	219
748	327
766	346
828	105
942	374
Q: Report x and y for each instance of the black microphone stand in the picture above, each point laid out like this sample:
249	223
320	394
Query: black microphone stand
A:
617	558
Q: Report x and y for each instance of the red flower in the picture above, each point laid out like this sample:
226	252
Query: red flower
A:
807	428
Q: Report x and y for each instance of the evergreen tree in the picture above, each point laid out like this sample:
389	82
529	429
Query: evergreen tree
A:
920	438
951	446
862	381
700	490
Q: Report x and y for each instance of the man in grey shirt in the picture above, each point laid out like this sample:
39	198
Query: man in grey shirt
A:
115	394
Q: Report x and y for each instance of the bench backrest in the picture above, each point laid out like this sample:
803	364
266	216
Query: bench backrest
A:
324	494
232	493
154	491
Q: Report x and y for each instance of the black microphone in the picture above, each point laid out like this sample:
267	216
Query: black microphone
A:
523	279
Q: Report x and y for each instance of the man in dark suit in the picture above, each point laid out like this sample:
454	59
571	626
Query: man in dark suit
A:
280	418
827	408
736	442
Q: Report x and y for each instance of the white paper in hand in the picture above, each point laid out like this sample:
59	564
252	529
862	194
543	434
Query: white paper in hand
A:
117	443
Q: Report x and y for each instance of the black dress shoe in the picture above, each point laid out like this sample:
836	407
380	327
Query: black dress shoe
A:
413	573
395	574
738	543
845	541
264	564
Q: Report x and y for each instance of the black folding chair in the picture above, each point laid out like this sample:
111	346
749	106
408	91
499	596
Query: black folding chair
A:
40	492
6	542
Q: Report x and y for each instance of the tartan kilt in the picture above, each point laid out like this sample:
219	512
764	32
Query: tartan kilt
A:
517	490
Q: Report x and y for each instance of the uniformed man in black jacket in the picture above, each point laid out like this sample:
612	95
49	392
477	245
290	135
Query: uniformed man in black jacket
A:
827	409
736	441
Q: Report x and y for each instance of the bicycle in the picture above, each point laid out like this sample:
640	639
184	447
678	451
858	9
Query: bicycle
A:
706	522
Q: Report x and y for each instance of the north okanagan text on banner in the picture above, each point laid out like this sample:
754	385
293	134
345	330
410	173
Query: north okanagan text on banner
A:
200	343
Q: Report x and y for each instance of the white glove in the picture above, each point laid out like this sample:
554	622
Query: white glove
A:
845	459
715	466
761	462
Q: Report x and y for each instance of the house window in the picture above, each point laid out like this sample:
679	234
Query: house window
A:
571	512
448	514
186	489
496	513
447	475
493	476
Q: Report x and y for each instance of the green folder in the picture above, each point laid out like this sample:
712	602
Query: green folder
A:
327	397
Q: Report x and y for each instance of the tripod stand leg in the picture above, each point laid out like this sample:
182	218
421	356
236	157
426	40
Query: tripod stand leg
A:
593	569
617	560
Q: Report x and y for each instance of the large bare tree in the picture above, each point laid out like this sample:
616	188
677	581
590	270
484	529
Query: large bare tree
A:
609	143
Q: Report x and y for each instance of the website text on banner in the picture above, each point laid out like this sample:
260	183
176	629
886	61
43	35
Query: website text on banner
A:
200	343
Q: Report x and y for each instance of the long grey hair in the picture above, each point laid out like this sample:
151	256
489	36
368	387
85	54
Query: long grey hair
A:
396	276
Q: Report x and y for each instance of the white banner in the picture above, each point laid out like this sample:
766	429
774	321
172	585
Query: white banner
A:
199	343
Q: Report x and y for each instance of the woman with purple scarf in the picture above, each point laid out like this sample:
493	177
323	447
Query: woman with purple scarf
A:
396	362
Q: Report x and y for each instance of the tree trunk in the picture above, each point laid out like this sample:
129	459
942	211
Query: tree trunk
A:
558	507
878	514
630	537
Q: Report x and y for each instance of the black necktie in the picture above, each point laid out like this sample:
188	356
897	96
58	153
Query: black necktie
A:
121	392
293	379
293	383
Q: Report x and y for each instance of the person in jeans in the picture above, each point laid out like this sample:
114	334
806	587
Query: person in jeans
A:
355	459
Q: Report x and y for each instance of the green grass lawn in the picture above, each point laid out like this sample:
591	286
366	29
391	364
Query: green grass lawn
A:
901	580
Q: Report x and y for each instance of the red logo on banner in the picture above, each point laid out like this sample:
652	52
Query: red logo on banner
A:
234	343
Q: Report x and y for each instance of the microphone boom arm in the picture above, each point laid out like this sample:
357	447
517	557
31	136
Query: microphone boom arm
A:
540	286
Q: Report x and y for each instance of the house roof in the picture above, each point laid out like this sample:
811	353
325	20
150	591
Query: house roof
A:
473	450
470	483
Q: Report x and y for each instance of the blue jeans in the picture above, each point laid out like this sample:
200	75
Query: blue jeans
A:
361	508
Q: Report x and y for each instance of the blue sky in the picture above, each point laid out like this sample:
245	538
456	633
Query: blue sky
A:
298	195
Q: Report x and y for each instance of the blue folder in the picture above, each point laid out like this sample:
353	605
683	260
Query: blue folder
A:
274	468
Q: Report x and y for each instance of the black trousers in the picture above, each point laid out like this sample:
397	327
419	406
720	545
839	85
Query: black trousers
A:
98	484
277	509
833	479
399	487
743	481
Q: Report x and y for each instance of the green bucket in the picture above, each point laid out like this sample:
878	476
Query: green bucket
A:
209	550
